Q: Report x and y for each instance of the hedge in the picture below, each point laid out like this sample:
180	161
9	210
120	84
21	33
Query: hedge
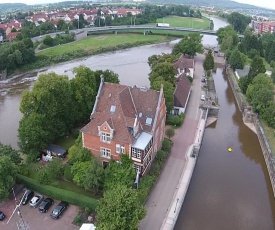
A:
175	120
57	193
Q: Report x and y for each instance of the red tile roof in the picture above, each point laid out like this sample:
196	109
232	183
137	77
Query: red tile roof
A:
131	103
182	91
12	35
185	62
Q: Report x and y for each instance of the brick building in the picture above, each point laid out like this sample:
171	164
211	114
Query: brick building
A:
262	27
126	120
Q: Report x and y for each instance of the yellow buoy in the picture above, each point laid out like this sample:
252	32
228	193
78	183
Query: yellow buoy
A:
229	149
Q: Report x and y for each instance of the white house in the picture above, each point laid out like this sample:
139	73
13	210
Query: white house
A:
185	65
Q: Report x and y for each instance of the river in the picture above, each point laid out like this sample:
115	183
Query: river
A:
228	190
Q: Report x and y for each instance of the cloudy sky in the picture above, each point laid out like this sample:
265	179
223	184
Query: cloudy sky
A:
262	3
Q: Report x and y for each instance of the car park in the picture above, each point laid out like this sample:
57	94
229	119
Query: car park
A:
2	216
36	200
59	209
45	205
28	195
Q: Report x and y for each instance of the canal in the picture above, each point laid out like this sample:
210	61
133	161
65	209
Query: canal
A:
228	190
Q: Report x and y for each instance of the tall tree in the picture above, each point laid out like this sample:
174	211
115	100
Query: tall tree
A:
6	150
8	172
84	93
239	21
235	60
190	45
208	63
257	67
120	208
163	70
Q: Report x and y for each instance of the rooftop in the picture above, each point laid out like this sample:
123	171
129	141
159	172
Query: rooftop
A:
142	141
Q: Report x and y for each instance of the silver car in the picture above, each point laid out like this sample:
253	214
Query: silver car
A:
36	200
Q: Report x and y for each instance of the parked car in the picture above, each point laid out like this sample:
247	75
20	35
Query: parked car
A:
203	79
27	196
2	216
45	205
59	209
203	97
36	200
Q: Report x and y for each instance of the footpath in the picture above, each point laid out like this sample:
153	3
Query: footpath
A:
162	198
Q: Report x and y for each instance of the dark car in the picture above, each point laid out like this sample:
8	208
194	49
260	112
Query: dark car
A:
2	216
27	196
59	209
36	200
45	205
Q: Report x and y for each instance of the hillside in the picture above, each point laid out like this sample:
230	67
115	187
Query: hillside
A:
10	7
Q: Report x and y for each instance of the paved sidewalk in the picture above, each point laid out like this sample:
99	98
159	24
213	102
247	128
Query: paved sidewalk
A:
161	196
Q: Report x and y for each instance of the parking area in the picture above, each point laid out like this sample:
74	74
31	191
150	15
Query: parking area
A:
37	220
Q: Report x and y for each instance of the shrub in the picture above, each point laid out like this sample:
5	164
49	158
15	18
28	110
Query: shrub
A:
170	132
166	145
161	156
77	219
57	193
175	120
68	173
43	176
190	78
272	64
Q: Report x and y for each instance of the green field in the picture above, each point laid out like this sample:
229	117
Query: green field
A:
175	21
93	43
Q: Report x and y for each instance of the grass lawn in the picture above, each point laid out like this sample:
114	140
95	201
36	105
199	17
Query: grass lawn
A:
270	135
176	21
99	41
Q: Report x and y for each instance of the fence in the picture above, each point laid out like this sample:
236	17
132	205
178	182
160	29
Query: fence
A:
243	105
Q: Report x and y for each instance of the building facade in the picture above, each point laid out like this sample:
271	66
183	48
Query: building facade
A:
126	120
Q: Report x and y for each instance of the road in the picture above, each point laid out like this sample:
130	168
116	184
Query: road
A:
164	189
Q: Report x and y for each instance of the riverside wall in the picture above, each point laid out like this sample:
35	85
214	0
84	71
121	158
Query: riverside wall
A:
252	119
191	159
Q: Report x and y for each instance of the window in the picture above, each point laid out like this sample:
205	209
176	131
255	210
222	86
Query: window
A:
117	148
137	167
139	152
105	152
136	153
122	149
105	137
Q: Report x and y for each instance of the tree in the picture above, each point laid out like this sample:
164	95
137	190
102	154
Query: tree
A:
163	70
273	75
88	174
269	114
55	168
208	63
109	76
48	40
62	25
79	154
122	173
120	208
84	93
6	150
239	21
190	44
235	60
257	67
170	132
8	172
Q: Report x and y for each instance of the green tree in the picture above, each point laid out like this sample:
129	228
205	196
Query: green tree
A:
6	150
79	154
48	40
163	70
190	44
84	93
271	54
238	21
62	25
88	174
109	76
122	173
257	67
208	63
55	168
260	92
8	172
120	208
43	176
273	75
268	114
235	60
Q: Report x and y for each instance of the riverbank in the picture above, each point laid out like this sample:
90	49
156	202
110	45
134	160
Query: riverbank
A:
89	46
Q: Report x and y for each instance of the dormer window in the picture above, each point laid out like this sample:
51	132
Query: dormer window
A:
105	137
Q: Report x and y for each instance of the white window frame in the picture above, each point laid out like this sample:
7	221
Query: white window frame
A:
118	150
105	137
122	149
139	153
106	153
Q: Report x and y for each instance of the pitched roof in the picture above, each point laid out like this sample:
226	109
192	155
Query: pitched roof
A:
184	62
182	90
12	35
129	104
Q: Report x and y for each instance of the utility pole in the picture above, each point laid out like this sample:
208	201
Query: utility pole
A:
22	225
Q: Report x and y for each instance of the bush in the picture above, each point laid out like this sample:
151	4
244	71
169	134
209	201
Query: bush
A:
77	219
190	78
166	145
272	64
170	132
175	120
161	156
67	173
43	176
57	193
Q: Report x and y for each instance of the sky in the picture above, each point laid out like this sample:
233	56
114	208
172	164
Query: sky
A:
262	3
